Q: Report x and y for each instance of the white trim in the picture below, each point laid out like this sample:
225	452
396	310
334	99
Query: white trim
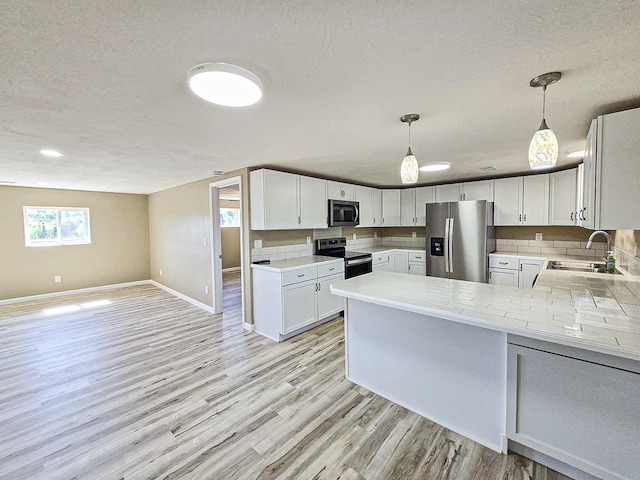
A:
182	296
248	326
42	296
232	269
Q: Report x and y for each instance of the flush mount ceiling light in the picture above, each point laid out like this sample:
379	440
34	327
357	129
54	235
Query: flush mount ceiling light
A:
225	84
47	152
543	149
435	167
576	153
409	171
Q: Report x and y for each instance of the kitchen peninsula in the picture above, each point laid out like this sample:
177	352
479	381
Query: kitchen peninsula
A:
552	373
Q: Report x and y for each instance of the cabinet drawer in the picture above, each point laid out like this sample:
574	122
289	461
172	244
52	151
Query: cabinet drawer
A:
510	263
416	257
379	259
300	275
330	269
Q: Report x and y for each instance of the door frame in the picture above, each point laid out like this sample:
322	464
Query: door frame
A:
216	242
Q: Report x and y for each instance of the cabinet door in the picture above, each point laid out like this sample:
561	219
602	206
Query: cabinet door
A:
408	207
499	276
589	179
448	193
364	196
529	270
299	305
401	262
328	304
481	190
274	200
562	197
340	191
417	269
535	204
424	195
313	202
507	207
377	207
391	208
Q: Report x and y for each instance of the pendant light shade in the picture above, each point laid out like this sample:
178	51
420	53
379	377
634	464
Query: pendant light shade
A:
543	149
409	169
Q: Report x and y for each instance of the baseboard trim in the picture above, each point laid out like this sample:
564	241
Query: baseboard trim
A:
43	296
186	298
232	269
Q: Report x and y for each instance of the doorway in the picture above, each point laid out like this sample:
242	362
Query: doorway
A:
226	249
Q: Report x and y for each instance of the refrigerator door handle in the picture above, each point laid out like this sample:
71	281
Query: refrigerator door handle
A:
446	245
450	246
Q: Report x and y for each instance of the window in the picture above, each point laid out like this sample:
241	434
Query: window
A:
229	217
50	226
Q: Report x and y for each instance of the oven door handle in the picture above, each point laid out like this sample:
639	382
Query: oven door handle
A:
358	261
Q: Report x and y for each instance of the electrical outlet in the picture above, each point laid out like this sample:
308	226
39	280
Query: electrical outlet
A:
257	244
206	289
375	234
57	279
308	240
205	241
413	235
160	272
354	236
538	236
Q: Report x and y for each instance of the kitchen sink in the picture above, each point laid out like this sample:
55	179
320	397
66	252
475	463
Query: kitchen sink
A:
586	267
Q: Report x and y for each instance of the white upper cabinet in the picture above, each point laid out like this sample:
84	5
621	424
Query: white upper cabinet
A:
364	196
612	172
413	202
522	200
377	207
340	191
562	197
284	201
448	193
391	208
480	190
313	202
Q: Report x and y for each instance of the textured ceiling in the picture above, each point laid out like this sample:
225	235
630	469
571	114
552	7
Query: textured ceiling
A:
105	83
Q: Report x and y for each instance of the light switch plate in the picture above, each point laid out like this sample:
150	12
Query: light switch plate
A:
538	236
308	240
354	236
257	244
413	234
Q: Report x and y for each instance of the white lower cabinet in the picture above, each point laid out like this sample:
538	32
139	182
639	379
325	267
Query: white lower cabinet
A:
417	263
289	302
401	262
383	262
576	406
514	271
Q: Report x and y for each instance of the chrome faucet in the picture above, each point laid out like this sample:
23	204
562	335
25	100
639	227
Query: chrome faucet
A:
590	241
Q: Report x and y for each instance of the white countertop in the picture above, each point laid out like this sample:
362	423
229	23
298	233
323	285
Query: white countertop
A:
374	250
596	312
294	263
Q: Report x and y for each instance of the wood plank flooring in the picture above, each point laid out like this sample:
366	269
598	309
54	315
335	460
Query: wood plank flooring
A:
149	387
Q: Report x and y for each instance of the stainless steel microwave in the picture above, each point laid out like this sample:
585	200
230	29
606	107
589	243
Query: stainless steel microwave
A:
343	213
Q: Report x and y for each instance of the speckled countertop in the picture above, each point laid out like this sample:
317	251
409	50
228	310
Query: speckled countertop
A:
596	312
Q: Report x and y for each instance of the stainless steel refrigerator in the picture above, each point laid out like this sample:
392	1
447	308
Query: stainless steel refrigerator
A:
460	236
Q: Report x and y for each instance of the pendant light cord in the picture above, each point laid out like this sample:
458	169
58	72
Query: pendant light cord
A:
409	134
544	99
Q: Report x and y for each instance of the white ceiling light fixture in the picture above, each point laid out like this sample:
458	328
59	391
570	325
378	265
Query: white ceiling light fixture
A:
435	167
543	149
409	170
576	153
225	84
47	152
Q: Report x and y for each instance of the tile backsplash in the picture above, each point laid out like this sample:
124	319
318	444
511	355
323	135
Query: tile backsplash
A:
627	261
552	247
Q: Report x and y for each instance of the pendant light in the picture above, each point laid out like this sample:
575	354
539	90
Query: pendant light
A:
543	149
409	170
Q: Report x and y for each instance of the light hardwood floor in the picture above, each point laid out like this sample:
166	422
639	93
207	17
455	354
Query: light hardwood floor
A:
149	386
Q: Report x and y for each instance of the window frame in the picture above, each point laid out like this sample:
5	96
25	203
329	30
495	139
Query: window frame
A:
59	241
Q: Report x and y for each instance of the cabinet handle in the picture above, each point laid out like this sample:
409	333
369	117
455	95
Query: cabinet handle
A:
332	269
503	263
489	274
584	215
572	216
301	275
520	217
316	287
374	220
418	257
520	267
319	287
298	220
525	217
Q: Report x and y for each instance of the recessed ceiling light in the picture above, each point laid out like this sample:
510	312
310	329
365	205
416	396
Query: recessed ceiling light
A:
225	84
435	167
50	153
576	153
